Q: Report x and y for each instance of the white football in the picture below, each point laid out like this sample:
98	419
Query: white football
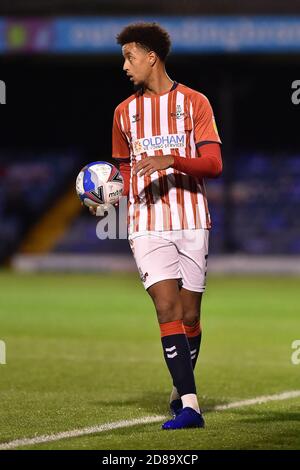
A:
99	183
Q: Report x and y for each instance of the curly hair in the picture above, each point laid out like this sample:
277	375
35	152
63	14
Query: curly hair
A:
150	36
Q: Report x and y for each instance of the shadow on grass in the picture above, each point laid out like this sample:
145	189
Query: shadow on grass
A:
153	403
266	416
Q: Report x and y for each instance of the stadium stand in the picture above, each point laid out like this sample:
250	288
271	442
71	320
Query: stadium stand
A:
263	202
30	185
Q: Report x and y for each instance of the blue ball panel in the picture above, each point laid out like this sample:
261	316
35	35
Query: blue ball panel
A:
88	184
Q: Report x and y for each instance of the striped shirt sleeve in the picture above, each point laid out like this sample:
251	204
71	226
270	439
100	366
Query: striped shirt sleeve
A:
205	128
120	147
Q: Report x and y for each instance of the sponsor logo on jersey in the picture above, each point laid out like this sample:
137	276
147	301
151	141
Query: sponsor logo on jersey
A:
159	142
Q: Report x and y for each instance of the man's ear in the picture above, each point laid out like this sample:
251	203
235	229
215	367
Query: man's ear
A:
152	57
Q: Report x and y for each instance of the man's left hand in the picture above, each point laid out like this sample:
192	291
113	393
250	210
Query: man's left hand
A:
149	165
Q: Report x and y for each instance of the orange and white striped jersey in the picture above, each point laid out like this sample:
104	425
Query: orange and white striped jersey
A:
175	122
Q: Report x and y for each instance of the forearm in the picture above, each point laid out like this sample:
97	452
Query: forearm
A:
207	165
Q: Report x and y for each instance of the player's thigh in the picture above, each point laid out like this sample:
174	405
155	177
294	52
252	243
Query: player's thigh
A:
156	258
193	254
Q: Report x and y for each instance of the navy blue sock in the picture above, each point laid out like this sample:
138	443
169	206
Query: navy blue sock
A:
178	357
194	335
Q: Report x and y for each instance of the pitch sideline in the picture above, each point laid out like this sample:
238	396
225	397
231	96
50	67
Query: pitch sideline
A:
146	420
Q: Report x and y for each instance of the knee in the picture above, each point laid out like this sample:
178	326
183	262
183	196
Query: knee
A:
191	317
168	310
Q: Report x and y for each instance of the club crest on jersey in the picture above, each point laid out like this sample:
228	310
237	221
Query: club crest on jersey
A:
179	113
135	118
159	142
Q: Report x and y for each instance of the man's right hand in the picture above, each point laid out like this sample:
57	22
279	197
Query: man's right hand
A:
100	209
93	210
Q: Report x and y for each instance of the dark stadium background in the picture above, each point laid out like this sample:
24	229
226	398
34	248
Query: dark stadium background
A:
62	105
79	341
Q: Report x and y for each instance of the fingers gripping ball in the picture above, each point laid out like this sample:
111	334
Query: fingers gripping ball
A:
99	183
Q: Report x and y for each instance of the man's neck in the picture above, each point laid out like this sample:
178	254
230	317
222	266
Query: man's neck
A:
158	86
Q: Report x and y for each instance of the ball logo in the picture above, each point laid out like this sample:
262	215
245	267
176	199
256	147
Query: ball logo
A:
99	194
2	92
118	192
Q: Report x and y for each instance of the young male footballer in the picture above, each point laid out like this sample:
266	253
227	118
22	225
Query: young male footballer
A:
166	142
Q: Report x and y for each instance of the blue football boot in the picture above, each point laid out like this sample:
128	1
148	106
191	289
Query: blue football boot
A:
187	418
176	407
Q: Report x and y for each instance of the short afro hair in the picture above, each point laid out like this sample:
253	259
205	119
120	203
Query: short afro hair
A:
150	36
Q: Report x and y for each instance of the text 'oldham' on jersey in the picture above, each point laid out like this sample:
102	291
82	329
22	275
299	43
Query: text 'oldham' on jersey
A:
175	122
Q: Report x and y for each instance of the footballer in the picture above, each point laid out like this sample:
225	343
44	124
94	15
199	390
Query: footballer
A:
166	142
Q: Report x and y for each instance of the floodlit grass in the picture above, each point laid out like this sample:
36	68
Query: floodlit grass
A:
83	350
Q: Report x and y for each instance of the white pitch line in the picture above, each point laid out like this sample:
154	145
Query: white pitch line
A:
79	432
134	422
258	400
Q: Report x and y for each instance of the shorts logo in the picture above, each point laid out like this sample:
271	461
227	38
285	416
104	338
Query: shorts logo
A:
143	276
159	142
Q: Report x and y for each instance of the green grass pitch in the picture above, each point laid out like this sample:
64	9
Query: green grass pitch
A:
85	350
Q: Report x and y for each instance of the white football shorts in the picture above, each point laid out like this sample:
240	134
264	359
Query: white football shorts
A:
173	254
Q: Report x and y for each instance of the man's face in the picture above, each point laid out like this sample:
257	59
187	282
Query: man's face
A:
137	63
